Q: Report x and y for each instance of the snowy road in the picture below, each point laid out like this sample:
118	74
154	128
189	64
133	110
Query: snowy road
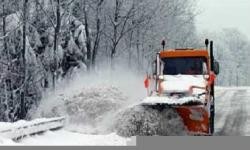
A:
232	112
67	138
232	119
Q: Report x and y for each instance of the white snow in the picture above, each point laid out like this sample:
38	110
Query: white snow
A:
171	100
232	111
67	138
21	123
89	104
138	120
61	137
24	128
233	88
182	83
179	84
81	137
7	142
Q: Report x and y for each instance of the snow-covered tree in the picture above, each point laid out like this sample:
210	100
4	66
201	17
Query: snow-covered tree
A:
232	51
59	37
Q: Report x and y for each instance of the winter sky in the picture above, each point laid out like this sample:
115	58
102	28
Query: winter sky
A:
218	14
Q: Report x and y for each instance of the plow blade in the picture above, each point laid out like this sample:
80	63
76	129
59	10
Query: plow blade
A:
191	110
195	118
164	118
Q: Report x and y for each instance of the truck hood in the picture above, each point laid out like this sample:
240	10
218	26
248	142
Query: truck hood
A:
182	83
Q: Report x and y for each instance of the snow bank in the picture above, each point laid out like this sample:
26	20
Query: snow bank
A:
6	142
57	138
65	138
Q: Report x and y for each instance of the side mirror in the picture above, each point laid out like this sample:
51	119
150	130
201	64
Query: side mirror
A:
216	67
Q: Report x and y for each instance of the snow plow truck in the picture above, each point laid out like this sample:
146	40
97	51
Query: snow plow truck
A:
183	80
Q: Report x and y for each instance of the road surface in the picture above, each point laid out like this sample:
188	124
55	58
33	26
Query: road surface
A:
232	111
232	118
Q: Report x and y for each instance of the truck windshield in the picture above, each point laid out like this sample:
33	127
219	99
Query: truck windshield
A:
186	66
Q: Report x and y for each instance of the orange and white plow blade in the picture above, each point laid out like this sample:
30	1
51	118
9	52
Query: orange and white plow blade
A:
195	118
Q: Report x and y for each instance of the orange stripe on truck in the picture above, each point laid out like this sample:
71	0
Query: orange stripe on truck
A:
184	53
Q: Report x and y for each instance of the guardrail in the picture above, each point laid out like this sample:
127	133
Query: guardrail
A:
32	128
